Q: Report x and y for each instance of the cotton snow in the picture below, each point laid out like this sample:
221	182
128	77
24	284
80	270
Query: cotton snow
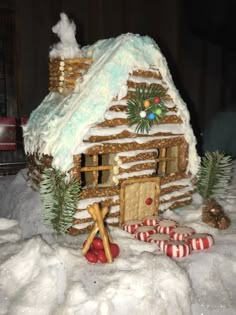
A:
42	273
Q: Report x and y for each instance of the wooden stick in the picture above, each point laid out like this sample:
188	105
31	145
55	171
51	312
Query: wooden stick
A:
61	83
79	60
94	230
95	172
76	169
96	168
157	197
122	203
55	73
68	68
162	160
69	86
58	59
62	86
65	77
98	217
70	80
103	233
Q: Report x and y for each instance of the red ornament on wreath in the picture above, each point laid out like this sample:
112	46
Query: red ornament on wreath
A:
157	100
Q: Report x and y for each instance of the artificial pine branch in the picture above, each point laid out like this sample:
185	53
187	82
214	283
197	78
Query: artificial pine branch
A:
59	196
214	174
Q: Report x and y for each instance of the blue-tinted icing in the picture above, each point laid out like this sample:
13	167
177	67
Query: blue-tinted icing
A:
104	84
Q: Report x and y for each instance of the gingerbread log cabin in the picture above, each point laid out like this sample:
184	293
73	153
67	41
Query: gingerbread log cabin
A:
120	127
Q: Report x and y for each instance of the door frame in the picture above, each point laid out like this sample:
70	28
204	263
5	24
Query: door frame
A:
127	182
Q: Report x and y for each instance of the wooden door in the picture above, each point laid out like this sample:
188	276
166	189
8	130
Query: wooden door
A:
139	198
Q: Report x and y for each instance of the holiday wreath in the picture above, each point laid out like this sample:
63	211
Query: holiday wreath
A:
146	108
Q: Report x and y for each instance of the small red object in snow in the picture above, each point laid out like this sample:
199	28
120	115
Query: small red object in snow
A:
115	250
97	243
91	257
102	256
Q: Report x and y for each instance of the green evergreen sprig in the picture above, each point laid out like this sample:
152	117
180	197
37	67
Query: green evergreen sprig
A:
146	108
60	195
214	174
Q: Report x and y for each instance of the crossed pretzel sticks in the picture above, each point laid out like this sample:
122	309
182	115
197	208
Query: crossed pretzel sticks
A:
98	218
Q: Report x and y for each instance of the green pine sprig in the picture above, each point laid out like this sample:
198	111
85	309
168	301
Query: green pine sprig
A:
59	195
136	106
214	174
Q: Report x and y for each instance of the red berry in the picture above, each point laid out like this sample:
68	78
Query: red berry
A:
115	250
91	257
95	251
157	100
102	256
97	243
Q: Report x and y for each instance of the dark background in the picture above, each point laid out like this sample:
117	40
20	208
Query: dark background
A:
198	39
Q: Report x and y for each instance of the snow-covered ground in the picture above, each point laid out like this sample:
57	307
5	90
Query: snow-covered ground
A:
42	274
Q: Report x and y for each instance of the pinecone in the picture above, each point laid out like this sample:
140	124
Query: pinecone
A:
214	215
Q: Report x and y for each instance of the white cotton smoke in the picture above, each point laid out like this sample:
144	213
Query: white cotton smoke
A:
68	46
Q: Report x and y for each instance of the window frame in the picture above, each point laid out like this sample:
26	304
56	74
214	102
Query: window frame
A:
95	168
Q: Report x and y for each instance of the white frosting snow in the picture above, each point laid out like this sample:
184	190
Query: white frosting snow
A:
83	203
97	131
165	206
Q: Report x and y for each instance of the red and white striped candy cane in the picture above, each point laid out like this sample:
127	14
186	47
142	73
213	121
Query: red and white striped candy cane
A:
159	239
131	226
200	241
177	248
179	233
151	220
143	232
165	226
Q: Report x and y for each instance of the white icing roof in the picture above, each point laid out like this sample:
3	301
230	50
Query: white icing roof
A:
59	125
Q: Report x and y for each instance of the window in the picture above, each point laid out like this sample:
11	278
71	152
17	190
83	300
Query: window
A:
167	161
96	170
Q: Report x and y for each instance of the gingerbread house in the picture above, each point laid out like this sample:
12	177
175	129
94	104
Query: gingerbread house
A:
96	124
